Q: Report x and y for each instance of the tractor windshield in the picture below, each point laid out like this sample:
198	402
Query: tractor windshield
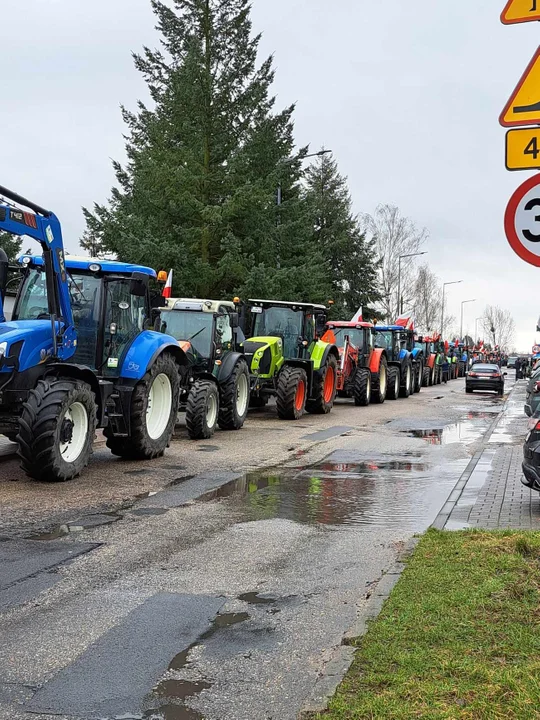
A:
283	322
384	339
356	336
187	325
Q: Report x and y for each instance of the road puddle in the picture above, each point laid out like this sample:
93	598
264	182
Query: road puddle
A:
465	431
84	523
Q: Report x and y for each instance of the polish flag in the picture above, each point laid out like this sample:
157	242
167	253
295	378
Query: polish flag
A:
405	321
359	316
167	290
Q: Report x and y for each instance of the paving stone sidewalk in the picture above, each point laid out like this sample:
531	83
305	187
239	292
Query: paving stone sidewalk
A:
494	496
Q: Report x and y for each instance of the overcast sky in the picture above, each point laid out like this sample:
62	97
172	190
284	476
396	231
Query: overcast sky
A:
406	94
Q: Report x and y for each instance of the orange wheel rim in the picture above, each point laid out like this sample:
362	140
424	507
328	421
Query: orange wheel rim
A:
300	395
329	382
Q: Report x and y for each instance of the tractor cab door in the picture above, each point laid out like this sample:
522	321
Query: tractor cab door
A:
124	318
224	331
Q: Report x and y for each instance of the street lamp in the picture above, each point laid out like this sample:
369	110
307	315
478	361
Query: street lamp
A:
401	257
476	329
461	327
454	282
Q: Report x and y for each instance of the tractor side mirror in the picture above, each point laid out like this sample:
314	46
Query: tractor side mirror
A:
235	320
320	324
138	284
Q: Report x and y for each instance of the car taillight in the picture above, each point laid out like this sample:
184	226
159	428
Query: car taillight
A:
473	374
496	374
537	387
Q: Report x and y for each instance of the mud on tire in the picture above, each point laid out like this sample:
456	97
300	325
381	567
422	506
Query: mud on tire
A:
323	395
141	445
393	383
234	398
56	410
362	387
292	390
202	410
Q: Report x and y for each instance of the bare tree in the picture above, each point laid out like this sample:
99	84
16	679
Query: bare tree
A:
427	300
393	236
499	326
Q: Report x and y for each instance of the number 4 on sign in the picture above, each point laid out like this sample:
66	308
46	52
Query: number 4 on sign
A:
519	11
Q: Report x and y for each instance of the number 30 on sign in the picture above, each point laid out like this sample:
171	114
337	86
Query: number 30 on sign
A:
523	149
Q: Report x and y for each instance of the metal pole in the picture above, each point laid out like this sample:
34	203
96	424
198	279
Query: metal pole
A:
442	314
399	285
461	325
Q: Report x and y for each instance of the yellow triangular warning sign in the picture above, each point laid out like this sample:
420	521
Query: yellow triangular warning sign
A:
518	11
523	108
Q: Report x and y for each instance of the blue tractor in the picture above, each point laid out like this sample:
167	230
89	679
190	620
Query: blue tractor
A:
79	354
405	360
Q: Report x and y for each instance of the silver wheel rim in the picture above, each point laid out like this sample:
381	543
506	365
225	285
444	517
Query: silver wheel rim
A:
396	386
211	410
242	395
368	389
76	414
409	379
382	380
158	410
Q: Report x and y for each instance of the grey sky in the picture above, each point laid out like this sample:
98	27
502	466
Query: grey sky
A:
406	94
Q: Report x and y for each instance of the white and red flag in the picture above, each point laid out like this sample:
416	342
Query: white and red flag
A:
359	316
405	321
167	290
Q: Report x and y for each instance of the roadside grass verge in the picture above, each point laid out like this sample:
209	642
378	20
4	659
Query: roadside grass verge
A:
458	638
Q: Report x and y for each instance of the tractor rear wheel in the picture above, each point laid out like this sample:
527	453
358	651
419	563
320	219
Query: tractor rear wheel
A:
324	388
202	410
393	383
426	378
292	389
362	387
379	383
406	381
56	429
418	377
154	408
234	398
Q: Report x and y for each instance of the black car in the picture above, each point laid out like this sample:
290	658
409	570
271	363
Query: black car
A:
531	454
484	376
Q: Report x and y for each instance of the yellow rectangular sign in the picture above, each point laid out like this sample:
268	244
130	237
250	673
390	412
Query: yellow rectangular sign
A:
523	149
519	11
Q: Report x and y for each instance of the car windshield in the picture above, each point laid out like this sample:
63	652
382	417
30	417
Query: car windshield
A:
383	339
356	336
192	326
283	322
484	368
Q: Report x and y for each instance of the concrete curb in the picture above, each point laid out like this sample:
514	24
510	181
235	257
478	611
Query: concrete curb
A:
342	658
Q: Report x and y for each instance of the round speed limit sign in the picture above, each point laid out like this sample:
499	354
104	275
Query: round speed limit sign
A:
522	221
536	349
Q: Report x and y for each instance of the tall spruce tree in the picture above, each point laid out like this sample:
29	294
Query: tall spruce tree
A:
198	191
350	258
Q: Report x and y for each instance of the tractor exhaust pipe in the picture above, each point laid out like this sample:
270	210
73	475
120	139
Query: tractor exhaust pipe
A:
4	267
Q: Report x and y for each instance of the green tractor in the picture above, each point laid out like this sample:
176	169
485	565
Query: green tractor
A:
288	359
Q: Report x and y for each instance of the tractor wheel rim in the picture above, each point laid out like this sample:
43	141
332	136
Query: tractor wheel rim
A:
242	395
368	389
396	385
300	395
382	380
329	383
158	409
77	416
408	378
211	410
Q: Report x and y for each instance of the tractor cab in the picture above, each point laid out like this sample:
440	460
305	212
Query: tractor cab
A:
396	340
400	346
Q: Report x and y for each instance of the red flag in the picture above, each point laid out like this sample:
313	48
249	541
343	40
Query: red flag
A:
446	346
405	321
456	344
167	290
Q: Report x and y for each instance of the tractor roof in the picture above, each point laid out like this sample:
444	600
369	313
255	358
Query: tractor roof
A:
344	324
283	303
197	305
83	263
399	328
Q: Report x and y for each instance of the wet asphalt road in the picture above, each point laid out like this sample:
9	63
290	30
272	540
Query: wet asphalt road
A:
217	582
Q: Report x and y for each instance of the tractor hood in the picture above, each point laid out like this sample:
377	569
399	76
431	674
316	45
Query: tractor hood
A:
264	355
28	340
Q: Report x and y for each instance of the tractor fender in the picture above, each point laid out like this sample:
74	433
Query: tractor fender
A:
375	360
78	372
417	355
144	351
226	369
320	354
431	361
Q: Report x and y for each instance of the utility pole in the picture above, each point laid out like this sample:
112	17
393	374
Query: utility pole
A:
454	282
399	298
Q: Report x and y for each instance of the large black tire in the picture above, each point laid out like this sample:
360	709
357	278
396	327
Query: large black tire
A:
292	389
426	377
393	383
234	398
468	390
362	387
407	381
461	369
202	410
418	377
142	445
56	414
323	395
379	383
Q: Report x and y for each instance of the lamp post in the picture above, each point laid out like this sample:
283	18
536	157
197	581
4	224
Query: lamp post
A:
401	257
461	327
476	329
454	282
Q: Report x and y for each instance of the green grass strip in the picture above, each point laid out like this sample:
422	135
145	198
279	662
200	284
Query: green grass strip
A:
458	638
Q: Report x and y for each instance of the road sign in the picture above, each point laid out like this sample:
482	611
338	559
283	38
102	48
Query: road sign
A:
522	221
519	11
523	149
536	349
523	108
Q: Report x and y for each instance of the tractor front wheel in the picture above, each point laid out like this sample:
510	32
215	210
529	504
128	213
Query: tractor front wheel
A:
393	383
362	387
418	378
380	383
154	408
202	410
292	389
406	381
426	378
56	430
324	388
234	398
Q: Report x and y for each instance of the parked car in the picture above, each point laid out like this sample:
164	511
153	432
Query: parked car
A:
531	454
511	362
532	400
486	377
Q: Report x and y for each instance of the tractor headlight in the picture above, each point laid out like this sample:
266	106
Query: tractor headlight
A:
3	349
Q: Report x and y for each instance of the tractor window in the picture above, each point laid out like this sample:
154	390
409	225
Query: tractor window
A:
384	339
188	326
125	315
224	331
281	322
356	337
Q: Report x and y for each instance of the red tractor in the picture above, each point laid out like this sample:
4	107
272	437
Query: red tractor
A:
363	369
429	346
